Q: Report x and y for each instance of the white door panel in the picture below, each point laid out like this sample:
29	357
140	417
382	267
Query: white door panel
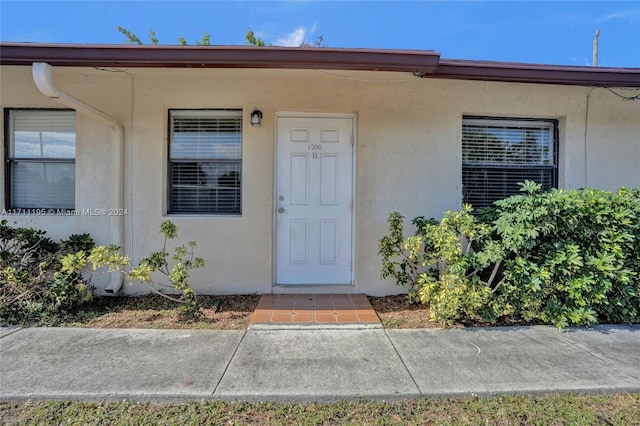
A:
314	192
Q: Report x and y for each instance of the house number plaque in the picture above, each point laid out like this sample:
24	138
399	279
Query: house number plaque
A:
315	147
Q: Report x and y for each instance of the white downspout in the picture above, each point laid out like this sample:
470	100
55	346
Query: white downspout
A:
43	78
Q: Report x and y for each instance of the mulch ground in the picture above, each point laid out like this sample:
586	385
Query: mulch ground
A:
221	313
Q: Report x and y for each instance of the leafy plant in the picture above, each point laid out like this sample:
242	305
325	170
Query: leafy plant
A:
134	39
251	39
574	255
402	260
175	267
462	276
563	257
33	286
451	265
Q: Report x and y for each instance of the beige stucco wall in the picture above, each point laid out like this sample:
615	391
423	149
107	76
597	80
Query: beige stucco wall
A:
408	152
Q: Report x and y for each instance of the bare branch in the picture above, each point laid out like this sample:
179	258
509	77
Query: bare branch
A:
493	274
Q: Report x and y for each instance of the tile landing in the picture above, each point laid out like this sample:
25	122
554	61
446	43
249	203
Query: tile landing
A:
315	310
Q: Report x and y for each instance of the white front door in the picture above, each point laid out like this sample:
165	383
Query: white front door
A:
314	200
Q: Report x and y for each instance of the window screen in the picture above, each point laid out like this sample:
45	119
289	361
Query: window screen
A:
497	154
205	161
41	155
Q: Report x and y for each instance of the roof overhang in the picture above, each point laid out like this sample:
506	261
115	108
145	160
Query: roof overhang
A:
163	56
424	63
536	73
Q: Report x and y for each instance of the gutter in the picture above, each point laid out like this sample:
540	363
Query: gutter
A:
43	78
514	72
168	56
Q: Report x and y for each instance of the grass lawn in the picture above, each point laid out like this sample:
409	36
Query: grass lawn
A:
559	409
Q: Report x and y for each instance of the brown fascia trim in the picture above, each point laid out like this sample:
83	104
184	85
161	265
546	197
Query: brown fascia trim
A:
422	63
79	55
536	73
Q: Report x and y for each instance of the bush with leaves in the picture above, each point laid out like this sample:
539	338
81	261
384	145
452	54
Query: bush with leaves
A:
573	255
177	273
402	260
562	257
33	286
451	265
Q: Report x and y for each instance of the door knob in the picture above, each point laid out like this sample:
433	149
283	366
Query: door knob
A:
281	210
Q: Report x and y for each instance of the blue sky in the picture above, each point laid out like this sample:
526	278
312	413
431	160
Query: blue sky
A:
549	32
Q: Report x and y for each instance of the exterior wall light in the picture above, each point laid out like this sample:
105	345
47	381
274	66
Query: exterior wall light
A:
256	117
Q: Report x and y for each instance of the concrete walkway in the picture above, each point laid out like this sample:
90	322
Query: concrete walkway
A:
314	365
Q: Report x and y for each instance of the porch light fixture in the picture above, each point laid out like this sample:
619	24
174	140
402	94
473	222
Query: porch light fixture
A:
256	117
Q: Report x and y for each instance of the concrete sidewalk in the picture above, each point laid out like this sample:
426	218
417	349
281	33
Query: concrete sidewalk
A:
314	365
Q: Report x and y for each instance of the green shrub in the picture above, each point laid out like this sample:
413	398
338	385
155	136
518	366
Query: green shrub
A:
404	260
33	287
450	265
563	257
574	255
177	273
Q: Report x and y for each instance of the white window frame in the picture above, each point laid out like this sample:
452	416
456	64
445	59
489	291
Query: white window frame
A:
173	201
12	161
485	180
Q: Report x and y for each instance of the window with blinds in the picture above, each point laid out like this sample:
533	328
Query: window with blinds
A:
497	154
205	161
40	159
